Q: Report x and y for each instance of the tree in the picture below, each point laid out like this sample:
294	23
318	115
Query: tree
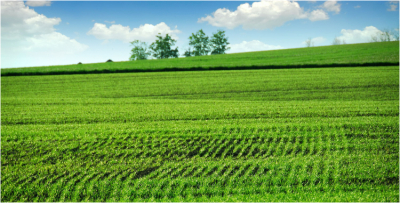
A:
174	53
395	33
200	43
336	41
385	36
374	38
309	42
139	51
161	48
219	43
188	53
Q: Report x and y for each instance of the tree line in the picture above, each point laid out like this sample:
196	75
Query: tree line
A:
383	36
200	44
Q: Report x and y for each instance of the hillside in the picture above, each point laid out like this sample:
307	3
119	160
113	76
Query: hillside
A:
367	54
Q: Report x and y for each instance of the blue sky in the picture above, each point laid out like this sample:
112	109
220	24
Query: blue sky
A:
67	32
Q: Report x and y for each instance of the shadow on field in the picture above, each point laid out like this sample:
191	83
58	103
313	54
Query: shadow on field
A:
70	72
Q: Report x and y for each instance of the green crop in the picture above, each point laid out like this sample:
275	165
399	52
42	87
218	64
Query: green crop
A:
321	134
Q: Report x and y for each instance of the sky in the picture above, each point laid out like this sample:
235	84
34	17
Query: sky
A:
44	33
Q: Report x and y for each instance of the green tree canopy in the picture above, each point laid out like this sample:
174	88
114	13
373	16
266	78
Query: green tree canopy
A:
200	43
188	53
219	43
161	48
139	51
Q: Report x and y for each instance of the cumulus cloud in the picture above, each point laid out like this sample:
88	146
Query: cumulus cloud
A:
393	6
360	36
53	42
318	15
38	3
318	40
26	33
146	32
254	45
261	15
331	6
18	21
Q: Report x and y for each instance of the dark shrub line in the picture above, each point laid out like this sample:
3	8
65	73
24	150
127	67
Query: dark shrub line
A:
71	72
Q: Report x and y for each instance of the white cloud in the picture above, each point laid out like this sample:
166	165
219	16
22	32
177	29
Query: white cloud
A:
112	22
318	15
358	6
253	45
53	43
38	3
18	21
145	32
360	36
331	6
26	33
261	15
393	6
316	41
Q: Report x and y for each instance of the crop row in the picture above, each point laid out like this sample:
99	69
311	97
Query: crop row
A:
346	84
190	110
130	148
210	178
366	127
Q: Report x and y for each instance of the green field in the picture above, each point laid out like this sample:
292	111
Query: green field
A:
368	54
304	134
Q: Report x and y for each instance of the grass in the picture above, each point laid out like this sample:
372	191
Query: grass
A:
321	134
368	54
